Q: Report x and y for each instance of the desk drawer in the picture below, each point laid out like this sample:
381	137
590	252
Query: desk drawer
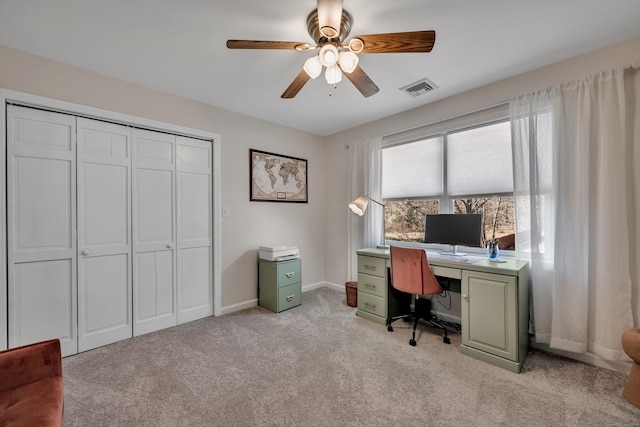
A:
372	304
452	273
288	272
373	285
289	296
372	265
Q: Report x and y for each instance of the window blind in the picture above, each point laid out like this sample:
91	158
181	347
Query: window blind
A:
479	161
413	170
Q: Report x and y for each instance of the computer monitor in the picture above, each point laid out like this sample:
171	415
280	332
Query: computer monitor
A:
454	230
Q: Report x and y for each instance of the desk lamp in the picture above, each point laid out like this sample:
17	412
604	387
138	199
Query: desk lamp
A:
359	206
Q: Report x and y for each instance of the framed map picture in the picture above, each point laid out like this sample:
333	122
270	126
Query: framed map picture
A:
277	178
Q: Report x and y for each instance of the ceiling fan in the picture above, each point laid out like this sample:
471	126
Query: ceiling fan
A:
329	26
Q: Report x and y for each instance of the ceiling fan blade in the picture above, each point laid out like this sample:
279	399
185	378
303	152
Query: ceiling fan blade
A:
259	44
412	41
362	82
296	85
329	17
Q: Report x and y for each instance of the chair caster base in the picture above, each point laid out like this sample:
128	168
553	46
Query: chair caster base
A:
446	340
412	342
390	328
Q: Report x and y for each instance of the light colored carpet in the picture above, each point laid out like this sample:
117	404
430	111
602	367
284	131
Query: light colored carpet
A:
321	365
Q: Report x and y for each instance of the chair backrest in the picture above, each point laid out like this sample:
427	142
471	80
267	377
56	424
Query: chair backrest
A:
411	273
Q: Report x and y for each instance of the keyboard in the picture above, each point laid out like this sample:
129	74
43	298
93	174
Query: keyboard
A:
466	259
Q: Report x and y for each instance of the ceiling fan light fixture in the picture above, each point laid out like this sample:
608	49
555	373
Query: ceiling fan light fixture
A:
348	61
328	55
356	45
333	75
313	67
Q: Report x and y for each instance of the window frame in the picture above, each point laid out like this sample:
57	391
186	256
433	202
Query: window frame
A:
442	129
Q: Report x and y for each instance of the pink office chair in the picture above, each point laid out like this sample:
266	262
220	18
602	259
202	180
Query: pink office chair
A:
411	273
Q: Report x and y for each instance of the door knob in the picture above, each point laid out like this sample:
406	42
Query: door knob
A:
464	296
86	252
169	245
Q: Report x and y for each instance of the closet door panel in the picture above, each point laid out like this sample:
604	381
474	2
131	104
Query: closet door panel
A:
42	203
104	222
194	194
105	297
42	303
105	207
154	205
41	227
155	285
154	222
195	292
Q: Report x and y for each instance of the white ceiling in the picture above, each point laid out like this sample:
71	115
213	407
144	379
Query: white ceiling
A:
179	47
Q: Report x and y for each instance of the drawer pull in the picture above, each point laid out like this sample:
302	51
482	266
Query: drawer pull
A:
369	267
289	275
369	285
290	298
368	304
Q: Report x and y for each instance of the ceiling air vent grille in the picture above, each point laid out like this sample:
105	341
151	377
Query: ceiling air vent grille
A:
420	87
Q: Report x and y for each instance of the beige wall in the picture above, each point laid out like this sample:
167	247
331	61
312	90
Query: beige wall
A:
319	228
249	224
621	54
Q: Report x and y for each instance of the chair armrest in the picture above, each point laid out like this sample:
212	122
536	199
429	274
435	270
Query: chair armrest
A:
25	365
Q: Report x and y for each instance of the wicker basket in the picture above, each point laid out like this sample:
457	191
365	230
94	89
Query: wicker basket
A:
352	293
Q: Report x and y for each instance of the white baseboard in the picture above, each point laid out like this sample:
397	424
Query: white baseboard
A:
335	286
307	288
237	307
254	302
588	358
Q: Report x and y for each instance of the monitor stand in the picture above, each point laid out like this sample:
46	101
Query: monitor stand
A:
453	252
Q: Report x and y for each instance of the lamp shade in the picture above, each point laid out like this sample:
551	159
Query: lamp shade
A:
333	74
359	205
313	67
328	55
348	61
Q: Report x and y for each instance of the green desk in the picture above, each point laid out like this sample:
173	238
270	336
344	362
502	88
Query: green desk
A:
494	302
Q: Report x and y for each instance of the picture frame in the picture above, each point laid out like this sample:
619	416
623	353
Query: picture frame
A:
277	178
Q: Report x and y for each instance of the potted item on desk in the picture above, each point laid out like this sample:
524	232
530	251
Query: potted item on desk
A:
492	249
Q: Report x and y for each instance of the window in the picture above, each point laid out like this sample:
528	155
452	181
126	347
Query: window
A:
460	170
404	220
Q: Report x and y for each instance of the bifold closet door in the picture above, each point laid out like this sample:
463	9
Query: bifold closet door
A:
154	202
195	292
104	234
41	227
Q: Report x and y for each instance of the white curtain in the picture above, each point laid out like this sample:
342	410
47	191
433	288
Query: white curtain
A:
365	166
575	209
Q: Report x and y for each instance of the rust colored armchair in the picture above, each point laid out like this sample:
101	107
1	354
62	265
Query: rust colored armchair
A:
31	391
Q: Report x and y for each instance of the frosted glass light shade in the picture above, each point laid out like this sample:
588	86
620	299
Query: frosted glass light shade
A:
348	61
333	74
313	67
328	55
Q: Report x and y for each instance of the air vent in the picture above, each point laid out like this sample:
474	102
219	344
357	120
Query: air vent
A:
420	87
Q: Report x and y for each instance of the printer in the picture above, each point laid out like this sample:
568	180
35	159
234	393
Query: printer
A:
279	253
